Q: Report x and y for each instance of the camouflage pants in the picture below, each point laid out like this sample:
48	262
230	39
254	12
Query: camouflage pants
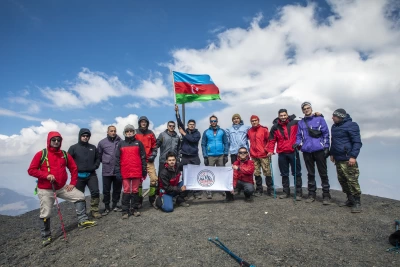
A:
348	177
264	164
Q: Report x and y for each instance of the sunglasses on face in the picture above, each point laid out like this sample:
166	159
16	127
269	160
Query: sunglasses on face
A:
254	120
129	131
306	108
55	140
173	126
213	120
242	152
85	136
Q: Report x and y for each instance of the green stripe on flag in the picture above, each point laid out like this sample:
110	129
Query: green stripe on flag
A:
186	98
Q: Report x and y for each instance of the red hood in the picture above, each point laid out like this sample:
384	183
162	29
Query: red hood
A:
51	135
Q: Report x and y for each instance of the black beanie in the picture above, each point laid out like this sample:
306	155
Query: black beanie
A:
341	113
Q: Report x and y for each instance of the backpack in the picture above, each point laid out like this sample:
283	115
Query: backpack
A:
43	159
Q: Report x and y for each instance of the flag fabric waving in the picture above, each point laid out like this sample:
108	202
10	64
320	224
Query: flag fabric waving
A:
194	87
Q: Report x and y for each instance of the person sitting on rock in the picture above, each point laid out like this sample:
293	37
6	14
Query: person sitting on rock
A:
170	186
243	170
48	166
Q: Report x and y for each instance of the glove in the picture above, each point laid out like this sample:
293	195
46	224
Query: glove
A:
151	159
206	161
326	152
225	159
295	146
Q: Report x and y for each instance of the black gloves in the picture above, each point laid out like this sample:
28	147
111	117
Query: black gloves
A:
206	161
326	152
151	159
225	159
295	146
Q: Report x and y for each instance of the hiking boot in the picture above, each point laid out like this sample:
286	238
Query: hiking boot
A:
257	194
116	208
95	214
125	216
238	191
349	202
183	204
87	224
191	197
284	196
326	201
46	241
198	196
268	193
209	196
310	199
136	213
106	211
357	205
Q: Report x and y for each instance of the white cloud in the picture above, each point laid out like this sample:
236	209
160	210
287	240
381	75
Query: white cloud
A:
96	87
298	57
130	73
10	113
132	105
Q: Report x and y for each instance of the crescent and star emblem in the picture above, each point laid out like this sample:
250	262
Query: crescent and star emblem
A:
194	89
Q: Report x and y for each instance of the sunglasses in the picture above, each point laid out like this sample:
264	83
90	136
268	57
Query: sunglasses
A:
254	120
129	131
85	136
243	152
55	140
171	126
306	108
213	121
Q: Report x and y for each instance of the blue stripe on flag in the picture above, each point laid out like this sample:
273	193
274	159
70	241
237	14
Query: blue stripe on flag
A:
192	78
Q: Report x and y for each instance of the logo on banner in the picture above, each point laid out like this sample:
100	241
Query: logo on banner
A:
206	178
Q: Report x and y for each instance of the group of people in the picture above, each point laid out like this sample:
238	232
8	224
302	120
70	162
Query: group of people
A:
127	162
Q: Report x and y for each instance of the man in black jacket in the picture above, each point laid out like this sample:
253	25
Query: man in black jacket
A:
87	159
189	145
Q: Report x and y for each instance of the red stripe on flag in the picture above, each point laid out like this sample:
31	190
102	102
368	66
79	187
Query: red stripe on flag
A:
195	89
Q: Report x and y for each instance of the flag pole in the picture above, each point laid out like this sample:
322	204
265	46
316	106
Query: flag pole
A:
183	113
173	84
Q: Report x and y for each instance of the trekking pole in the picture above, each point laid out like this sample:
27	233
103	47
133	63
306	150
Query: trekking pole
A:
59	212
295	173
272	175
222	246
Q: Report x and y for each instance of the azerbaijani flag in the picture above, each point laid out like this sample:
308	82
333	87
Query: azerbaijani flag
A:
194	87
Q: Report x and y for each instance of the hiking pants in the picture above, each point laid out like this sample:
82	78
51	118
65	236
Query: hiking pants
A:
92	182
116	186
233	158
248	188
348	177
284	161
166	202
131	185
217	161
310	159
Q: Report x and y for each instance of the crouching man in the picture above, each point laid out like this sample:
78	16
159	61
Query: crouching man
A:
243	170
169	185
48	166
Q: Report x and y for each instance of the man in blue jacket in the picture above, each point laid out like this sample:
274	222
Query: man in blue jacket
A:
215	147
313	137
106	149
189	145
237	136
346	145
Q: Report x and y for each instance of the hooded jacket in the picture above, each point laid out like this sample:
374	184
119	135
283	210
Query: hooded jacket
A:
245	171
147	138
168	142
190	141
57	164
346	140
106	149
130	159
310	144
214	145
237	137
283	134
258	137
85	155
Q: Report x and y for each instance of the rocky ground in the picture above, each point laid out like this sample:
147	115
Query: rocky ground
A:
267	232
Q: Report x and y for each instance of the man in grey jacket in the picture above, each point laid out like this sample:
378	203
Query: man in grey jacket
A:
168	141
106	149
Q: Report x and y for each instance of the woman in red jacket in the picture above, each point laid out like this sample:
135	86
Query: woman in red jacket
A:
243	170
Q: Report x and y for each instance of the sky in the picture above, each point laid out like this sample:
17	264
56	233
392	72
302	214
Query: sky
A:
72	64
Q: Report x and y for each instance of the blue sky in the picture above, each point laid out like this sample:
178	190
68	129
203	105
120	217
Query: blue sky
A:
71	64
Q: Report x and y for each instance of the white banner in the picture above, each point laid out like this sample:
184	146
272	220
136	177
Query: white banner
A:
208	178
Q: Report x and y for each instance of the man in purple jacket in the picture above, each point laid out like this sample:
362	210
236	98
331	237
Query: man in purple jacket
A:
313	137
106	149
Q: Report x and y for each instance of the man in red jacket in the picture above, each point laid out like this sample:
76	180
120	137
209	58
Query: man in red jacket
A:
130	164
243	170
258	136
51	170
283	134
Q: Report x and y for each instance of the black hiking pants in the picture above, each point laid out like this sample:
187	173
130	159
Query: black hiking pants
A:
318	158
108	182
92	182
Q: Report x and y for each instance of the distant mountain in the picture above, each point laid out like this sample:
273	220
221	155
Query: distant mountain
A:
12	203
